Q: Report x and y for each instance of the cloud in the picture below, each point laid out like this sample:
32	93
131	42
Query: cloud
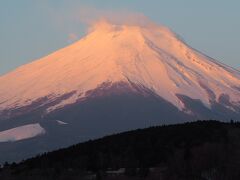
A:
75	20
91	15
94	18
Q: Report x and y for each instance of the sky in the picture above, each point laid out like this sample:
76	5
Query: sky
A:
31	29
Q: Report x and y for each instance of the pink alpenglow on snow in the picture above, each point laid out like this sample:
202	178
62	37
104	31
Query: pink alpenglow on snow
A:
148	55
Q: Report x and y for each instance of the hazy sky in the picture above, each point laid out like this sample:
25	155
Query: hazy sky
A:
30	29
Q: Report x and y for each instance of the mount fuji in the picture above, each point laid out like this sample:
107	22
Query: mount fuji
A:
116	78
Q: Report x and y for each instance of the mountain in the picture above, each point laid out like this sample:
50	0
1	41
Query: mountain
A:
116	78
152	58
196	150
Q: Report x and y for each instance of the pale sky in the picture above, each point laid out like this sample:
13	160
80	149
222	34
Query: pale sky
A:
32	29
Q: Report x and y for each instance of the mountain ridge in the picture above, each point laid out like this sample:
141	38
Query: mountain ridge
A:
192	150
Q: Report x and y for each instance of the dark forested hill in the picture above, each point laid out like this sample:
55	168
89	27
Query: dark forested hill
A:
199	150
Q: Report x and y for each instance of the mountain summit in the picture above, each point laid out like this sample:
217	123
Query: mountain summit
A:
152	57
118	77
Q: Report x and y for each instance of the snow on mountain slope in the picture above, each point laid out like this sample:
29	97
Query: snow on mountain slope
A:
61	122
150	56
21	133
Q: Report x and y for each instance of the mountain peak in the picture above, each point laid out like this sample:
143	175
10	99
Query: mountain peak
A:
106	27
147	55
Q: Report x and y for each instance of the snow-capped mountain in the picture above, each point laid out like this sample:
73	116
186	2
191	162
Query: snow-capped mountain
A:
150	57
116	78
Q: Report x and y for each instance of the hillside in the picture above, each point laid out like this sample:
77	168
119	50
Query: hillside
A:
197	150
